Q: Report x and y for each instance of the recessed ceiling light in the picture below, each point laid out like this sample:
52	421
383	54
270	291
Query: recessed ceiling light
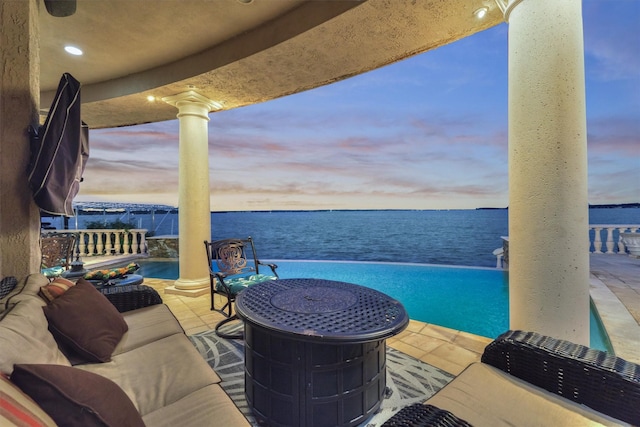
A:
73	50
151	98
245	1
481	13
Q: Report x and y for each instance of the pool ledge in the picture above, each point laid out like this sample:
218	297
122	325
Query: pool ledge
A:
621	327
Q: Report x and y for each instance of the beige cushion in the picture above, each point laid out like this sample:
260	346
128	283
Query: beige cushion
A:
18	409
147	325
27	289
486	396
25	337
159	373
205	407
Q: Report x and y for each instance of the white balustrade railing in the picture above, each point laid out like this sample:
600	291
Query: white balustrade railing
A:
605	238
96	242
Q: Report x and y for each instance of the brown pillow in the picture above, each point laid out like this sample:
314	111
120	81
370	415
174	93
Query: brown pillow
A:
73	397
84	322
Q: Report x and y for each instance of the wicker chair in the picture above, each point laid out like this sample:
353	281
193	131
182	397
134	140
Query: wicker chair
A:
233	266
131	297
592	378
57	252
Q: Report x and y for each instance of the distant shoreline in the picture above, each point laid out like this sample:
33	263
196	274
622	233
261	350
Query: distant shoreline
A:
623	205
120	208
610	206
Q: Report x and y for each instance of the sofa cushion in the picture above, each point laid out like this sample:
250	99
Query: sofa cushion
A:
159	373
85	322
18	409
147	325
55	288
73	397
199	409
238	284
24	337
26	288
486	396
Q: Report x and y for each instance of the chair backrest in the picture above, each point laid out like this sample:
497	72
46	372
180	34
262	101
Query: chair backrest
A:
232	257
57	249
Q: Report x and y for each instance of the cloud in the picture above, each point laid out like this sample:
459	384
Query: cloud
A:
427	132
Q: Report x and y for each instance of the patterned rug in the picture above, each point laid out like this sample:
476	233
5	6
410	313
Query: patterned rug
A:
408	379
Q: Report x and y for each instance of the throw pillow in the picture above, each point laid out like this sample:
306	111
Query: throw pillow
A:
55	288
6	285
18	409
113	273
84	321
73	397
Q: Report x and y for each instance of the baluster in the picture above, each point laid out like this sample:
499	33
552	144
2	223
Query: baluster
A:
134	242
621	248
143	242
109	245
82	246
597	243
610	240
100	242
118	234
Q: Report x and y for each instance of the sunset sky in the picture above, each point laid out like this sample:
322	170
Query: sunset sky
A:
429	132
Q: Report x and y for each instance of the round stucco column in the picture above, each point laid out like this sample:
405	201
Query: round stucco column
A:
548	205
194	212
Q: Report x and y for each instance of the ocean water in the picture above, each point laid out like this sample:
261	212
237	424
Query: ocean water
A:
469	299
453	237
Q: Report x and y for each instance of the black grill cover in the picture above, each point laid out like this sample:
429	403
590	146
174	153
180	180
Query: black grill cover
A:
59	151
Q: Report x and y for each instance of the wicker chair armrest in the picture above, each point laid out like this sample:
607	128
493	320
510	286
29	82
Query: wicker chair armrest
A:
423	415
131	297
591	377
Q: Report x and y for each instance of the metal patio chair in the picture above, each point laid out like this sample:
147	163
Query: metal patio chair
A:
233	266
57	253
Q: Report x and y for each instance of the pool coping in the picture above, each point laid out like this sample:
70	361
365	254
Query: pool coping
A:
622	329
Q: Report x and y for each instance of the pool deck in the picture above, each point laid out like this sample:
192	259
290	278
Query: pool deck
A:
614	288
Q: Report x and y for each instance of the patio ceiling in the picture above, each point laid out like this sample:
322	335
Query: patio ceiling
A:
233	52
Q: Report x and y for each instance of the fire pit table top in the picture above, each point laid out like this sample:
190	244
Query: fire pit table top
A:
318	309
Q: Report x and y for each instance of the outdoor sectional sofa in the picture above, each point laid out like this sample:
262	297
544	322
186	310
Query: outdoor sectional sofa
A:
86	363
527	379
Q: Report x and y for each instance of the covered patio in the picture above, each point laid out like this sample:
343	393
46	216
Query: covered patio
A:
142	69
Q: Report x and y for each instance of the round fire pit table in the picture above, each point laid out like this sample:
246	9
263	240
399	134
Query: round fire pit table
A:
315	350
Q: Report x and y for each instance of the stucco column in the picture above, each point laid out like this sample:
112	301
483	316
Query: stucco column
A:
548	205
19	104
194	216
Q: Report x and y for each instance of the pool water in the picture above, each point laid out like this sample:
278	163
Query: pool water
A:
474	300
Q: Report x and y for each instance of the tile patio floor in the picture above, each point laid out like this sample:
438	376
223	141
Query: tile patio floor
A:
615	289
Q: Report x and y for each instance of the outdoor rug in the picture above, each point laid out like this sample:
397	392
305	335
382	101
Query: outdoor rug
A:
408	380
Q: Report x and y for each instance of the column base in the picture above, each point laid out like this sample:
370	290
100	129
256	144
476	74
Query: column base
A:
190	284
173	290
189	288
